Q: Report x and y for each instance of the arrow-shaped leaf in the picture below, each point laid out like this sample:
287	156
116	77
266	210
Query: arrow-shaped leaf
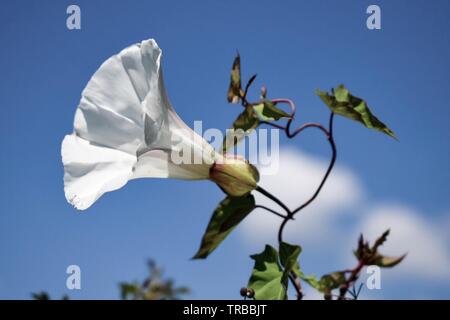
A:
343	103
230	212
267	110
235	90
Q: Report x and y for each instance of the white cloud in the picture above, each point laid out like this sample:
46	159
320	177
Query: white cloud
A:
428	255
343	197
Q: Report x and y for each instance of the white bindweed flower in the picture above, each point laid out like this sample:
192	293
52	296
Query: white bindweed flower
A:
125	128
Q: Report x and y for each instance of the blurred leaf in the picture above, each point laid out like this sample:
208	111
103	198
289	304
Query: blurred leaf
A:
331	281
129	290
230	212
343	103
382	239
267	110
363	249
371	256
45	296
235	90
386	262
40	296
310	279
267	278
154	287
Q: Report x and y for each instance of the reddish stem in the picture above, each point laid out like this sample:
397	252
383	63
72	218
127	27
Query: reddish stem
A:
354	275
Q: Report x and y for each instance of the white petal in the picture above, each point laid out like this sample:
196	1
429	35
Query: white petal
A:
175	138
109	123
158	164
122	90
142	64
107	128
90	171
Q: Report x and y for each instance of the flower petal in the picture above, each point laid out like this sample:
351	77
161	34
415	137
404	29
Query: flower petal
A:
158	164
107	128
90	171
124	88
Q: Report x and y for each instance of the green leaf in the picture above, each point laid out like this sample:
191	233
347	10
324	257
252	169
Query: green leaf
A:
243	125
267	110
331	281
267	278
310	279
288	257
225	218
385	261
343	103
235	90
247	120
129	290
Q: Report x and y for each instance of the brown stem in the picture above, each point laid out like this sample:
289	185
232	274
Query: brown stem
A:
289	134
289	102
270	210
330	167
274	199
354	275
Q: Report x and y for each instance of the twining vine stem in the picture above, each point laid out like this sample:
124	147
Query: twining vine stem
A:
270	210
322	183
290	214
277	201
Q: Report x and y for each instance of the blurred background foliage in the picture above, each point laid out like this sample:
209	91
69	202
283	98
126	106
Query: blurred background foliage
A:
153	287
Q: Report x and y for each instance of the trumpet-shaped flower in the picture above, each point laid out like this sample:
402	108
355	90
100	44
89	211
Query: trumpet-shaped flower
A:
125	128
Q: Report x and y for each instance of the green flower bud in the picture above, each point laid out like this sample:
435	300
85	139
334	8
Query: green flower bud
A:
235	177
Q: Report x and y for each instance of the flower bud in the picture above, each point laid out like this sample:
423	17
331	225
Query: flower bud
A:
234	176
263	92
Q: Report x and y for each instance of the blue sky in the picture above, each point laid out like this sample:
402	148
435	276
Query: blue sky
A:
295	47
